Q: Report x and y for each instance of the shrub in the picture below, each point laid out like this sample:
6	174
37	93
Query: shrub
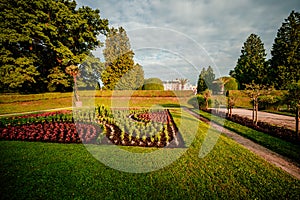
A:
198	101
270	102
153	84
232	84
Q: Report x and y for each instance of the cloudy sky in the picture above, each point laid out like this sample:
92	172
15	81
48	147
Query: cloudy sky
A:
177	38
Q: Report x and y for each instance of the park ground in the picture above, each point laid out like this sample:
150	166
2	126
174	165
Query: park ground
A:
230	170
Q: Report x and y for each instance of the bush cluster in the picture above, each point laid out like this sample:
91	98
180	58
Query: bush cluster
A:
198	102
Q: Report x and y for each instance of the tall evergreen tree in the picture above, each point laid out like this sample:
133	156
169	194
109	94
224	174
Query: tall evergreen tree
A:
205	80
118	61
293	98
250	66
40	38
209	77
132	80
285	61
201	86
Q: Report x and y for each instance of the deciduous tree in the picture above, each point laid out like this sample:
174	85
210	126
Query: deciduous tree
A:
40	37
153	84
254	91
89	72
207	95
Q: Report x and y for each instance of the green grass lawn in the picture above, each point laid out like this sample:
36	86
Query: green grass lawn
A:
280	146
280	113
34	170
15	103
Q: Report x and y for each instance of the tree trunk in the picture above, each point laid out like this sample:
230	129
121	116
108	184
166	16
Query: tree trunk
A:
256	112
253	112
228	107
75	89
297	123
228	110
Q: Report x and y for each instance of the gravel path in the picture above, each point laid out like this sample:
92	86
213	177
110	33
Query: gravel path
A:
275	119
280	161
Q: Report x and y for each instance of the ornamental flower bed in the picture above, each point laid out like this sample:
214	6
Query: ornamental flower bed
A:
143	128
61	132
65	115
48	127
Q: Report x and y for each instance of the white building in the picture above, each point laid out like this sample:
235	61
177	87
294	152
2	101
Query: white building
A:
176	85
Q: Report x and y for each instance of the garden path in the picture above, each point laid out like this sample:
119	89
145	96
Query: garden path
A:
278	160
275	119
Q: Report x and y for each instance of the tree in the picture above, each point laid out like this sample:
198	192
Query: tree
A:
231	99
89	72
205	80
230	84
73	71
207	95
223	84
254	91
118	59
293	97
153	84
201	86
209	77
250	66
132	80
39	38
183	82
285	61
139	76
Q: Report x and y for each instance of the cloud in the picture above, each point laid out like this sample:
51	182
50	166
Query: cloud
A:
209	32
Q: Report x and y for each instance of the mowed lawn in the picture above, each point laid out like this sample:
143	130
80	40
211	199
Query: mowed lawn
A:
17	103
35	170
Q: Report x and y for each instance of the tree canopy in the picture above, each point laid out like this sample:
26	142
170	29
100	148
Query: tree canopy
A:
205	80
230	83
254	91
40	38
153	84
132	79
89	72
224	84
285	61
251	64
183	82
293	97
120	70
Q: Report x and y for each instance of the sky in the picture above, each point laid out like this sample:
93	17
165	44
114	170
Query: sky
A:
177	38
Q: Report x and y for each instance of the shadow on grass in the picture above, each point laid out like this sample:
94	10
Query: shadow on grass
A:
170	105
